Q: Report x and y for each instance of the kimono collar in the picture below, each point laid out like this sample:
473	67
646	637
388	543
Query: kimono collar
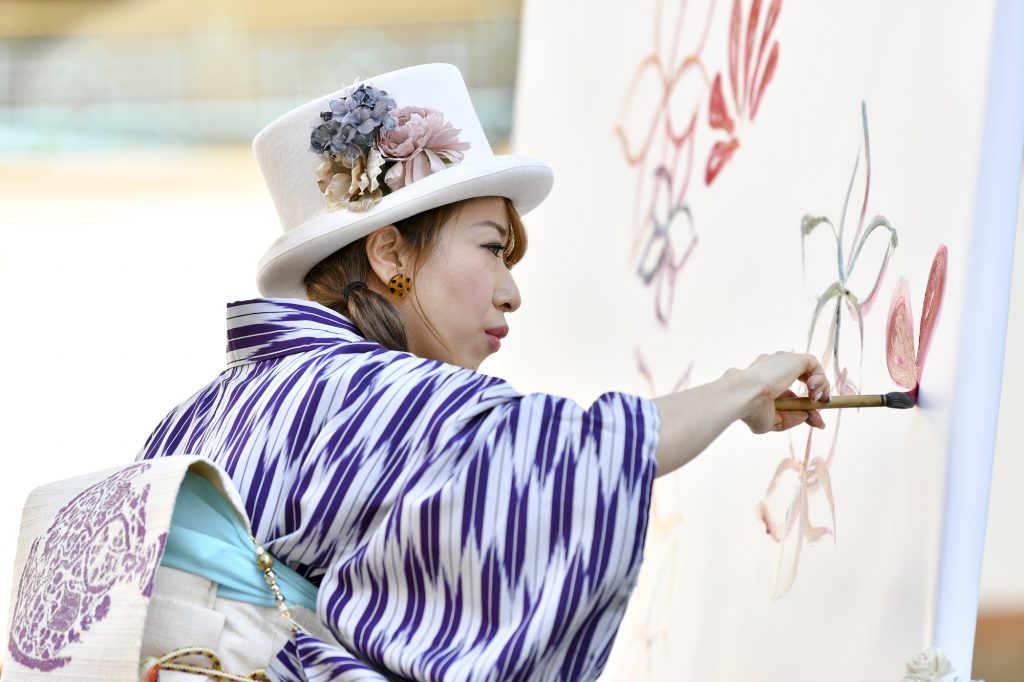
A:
264	328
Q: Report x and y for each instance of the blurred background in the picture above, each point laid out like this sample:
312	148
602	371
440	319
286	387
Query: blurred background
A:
131	211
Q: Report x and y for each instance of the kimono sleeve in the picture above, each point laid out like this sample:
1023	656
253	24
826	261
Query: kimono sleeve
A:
513	547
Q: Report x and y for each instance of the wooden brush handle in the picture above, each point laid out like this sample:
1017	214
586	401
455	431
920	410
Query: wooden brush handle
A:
785	404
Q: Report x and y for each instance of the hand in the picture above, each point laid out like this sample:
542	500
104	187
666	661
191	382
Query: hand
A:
771	376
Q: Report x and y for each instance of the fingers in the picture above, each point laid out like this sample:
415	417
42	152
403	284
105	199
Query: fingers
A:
818	388
790	418
815	419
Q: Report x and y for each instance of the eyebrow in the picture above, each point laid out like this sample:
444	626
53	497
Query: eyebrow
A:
502	230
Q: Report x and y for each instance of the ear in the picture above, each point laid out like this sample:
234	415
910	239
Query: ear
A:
387	252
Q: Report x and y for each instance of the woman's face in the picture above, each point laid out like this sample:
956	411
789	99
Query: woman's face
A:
463	288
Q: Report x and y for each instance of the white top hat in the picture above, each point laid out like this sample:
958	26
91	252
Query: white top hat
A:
318	221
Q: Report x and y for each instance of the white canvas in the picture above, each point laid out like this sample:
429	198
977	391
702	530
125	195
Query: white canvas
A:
673	247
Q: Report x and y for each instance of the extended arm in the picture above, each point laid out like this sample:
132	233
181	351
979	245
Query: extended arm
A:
691	419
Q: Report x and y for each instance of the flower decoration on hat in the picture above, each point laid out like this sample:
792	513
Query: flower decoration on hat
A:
372	147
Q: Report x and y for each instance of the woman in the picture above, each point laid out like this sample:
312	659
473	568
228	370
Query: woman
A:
451	527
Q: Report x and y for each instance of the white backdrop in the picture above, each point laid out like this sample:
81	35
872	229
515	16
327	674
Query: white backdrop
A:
672	249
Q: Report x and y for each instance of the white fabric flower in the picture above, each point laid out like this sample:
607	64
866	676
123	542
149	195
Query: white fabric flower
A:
927	665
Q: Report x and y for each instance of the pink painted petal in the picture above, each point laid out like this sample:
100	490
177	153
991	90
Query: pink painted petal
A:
735	26
718	113
766	34
899	338
932	305
769	72
755	14
769	22
720	155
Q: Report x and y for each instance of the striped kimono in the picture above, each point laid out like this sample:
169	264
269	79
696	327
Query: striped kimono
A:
457	529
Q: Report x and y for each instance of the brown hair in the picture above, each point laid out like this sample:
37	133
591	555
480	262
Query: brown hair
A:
374	315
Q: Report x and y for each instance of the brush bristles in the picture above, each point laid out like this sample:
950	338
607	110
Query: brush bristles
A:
899	401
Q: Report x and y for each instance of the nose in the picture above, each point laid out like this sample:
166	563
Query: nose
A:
506	293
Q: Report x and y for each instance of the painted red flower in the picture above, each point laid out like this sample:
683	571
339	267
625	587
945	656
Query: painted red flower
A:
750	72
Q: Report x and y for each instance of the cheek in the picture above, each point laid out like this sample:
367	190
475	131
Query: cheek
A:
468	282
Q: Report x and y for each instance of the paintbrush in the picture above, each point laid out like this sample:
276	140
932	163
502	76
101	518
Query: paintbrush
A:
896	400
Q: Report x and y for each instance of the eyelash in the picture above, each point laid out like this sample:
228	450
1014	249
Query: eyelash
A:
496	249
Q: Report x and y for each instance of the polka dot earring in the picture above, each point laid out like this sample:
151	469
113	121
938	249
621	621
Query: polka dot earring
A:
400	285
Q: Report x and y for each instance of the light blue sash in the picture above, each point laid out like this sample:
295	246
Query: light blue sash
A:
207	538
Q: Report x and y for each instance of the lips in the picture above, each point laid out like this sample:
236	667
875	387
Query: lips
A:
495	336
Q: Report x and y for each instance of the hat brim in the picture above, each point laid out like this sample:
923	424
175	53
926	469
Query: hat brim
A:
524	180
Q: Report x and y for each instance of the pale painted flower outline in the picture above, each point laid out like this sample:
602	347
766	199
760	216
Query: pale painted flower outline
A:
839	289
813	473
656	136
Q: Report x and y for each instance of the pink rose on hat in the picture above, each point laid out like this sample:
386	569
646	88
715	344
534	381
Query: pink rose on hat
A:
421	143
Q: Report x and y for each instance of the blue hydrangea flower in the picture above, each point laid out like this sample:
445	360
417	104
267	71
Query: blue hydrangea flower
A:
350	127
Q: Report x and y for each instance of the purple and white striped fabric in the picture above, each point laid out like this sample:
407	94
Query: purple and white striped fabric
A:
458	529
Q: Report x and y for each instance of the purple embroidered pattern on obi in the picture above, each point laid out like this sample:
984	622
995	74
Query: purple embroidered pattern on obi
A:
96	541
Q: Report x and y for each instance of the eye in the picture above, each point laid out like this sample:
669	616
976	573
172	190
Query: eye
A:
496	249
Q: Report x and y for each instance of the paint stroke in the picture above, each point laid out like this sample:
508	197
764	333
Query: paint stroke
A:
905	363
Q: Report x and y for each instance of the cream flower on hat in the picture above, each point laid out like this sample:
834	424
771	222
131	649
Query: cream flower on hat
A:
353	186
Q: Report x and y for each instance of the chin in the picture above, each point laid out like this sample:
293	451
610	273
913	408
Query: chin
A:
474	364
